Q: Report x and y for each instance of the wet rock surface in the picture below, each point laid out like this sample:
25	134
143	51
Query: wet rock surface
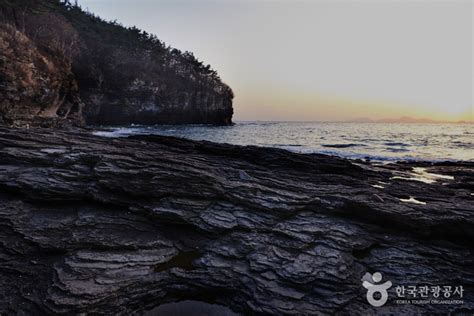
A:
103	226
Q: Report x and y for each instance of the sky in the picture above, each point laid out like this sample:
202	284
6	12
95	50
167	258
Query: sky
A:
318	60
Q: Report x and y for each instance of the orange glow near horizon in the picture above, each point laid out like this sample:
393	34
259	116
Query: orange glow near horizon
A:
279	105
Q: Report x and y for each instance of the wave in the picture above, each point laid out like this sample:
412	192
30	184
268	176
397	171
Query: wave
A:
285	145
342	145
462	144
397	150
395	144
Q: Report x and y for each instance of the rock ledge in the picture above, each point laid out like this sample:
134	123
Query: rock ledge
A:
104	226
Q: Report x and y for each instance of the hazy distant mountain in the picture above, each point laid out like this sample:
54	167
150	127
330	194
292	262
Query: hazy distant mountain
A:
403	119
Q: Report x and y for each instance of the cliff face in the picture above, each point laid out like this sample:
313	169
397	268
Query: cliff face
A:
35	88
121	75
129	76
145	105
152	104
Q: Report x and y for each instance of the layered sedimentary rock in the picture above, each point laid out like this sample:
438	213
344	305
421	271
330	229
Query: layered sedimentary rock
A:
36	88
109	226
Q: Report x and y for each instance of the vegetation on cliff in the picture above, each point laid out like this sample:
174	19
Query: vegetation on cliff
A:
124	75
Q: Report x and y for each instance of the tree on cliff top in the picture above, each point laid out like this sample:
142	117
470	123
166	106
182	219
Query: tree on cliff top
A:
93	42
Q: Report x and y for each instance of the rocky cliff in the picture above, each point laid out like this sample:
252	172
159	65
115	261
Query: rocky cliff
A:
65	64
117	226
36	88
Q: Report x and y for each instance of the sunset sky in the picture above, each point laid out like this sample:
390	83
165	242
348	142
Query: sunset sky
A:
322	60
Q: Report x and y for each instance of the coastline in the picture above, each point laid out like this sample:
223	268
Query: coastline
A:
129	185
122	225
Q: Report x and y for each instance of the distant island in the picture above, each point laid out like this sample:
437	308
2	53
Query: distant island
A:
404	119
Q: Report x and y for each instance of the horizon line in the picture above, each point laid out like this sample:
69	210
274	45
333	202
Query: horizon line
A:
388	121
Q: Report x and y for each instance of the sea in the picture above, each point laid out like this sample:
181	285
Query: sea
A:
374	141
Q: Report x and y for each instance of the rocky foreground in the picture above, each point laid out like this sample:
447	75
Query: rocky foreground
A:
106	226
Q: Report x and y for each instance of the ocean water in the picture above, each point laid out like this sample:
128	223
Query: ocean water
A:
377	141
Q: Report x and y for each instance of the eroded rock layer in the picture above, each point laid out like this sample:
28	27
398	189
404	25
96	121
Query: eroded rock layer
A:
105	226
36	88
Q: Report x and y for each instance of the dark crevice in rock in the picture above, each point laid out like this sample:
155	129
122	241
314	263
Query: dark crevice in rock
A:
364	252
183	260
